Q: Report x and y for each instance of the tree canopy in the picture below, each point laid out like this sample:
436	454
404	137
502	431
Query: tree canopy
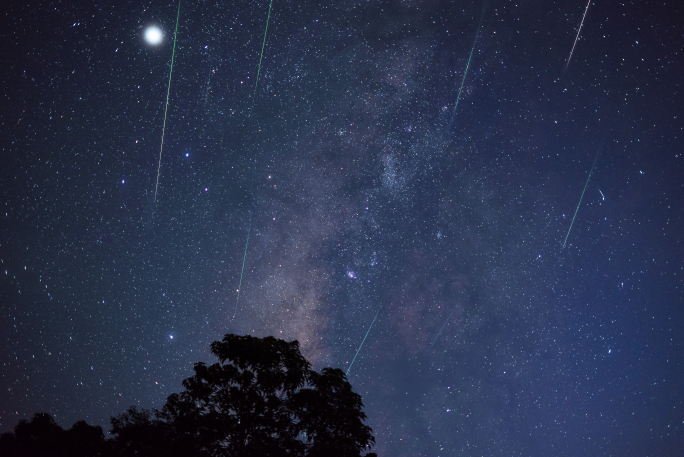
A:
261	399
41	436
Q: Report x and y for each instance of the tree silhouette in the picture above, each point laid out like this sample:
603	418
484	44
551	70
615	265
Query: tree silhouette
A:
261	399
42	437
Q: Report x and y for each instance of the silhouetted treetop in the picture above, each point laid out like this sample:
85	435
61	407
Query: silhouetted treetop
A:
261	399
42	437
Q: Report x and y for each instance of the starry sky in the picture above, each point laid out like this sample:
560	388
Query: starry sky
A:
514	262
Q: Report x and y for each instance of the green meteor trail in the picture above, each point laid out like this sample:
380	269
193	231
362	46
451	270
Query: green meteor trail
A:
166	110
580	200
465	73
262	47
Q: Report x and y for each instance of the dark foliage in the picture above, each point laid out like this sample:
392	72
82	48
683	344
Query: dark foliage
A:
261	399
42	437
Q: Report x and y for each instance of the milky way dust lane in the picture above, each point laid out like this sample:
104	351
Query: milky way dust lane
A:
166	109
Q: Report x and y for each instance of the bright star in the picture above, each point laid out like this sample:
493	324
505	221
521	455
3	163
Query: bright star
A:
154	35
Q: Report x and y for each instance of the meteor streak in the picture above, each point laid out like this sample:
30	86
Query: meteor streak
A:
244	257
262	47
166	110
465	73
577	37
364	340
580	200
440	330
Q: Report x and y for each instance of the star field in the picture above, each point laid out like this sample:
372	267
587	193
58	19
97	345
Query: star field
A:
354	212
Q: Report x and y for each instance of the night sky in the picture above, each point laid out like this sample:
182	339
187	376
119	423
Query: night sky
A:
346	189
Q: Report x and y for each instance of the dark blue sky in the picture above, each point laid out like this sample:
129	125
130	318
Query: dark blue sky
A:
362	194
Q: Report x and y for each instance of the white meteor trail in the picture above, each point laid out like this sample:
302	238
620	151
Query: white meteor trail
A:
440	330
577	37
244	257
364	340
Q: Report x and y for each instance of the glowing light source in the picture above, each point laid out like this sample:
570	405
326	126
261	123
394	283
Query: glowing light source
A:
154	35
